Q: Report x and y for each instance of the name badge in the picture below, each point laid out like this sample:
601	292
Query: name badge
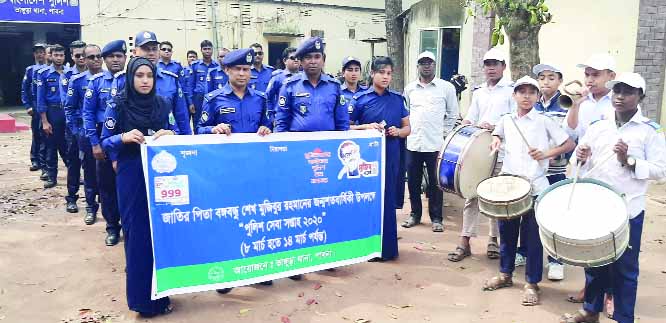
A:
227	110
302	95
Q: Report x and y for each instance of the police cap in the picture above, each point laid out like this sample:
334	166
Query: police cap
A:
145	37
310	45
114	46
243	56
37	46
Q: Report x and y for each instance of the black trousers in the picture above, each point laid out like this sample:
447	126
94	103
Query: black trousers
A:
415	161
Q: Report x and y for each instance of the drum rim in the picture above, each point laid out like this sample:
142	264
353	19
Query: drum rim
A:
529	193
580	180
447	141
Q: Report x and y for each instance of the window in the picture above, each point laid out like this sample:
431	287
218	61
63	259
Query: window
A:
317	33
352	33
429	41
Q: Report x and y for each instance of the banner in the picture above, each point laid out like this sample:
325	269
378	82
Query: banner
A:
40	11
229	211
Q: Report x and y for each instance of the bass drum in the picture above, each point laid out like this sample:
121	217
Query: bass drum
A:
464	160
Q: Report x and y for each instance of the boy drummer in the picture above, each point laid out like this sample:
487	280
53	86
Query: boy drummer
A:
529	161
640	150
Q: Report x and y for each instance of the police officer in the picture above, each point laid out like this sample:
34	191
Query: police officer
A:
94	105
197	82
35	78
49	106
167	82
29	102
235	107
186	73
291	67
261	74
165	62
76	50
351	73
312	100
79	150
217	78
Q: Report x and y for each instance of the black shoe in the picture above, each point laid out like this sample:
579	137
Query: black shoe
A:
90	217
377	259
34	167
50	183
267	283
296	277
112	239
72	207
224	290
44	175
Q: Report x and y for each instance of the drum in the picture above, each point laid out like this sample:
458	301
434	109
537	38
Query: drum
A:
505	197
465	160
593	232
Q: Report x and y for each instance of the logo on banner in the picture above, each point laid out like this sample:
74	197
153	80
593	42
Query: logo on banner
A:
354	166
164	162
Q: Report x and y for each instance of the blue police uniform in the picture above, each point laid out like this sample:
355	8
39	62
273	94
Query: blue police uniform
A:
29	100
50	102
368	107
176	68
132	199
259	79
185	75
273	90
198	85
216	79
79	150
348	93
94	106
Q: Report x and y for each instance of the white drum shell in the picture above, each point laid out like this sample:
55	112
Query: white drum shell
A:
508	209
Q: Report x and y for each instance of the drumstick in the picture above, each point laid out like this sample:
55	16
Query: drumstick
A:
520	132
603	161
573	187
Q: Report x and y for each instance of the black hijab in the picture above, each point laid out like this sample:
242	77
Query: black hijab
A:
141	111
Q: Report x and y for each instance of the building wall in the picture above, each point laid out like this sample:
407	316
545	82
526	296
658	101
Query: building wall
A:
239	24
651	55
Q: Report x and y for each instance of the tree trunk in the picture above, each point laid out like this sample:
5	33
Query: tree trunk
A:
524	51
395	42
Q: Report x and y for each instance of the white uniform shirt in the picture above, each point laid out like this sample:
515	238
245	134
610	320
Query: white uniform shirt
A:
433	110
589	111
539	130
489	104
646	144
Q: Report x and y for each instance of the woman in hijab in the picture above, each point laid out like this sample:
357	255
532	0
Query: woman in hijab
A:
135	113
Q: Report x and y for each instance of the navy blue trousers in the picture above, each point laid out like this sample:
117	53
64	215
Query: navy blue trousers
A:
38	147
621	276
80	156
415	161
527	226
108	196
392	178
197	100
56	143
133	206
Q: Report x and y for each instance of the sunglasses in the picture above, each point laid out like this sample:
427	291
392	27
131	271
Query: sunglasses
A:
259	53
293	58
78	55
166	49
91	57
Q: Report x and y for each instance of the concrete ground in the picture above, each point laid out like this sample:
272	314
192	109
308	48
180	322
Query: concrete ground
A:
54	268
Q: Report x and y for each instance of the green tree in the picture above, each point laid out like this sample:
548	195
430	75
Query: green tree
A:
395	41
521	21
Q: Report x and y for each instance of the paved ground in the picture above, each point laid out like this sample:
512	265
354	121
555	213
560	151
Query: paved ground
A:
56	269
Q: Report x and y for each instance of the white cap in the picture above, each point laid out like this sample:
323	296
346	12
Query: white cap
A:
426	54
496	54
537	69
526	80
599	62
634	80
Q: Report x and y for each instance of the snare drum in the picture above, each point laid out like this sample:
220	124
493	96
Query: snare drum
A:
505	197
464	160
593	232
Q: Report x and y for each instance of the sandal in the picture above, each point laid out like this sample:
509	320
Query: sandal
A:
493	250
530	295
497	282
581	316
574	299
410	222
459	254
609	306
437	227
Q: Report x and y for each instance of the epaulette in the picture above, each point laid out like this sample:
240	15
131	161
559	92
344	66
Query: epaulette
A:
163	71
395	92
119	74
43	68
293	78
96	76
77	76
276	72
657	127
213	94
268	66
29	67
360	94
259	93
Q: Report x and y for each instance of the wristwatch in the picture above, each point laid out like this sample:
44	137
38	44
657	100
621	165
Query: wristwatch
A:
631	161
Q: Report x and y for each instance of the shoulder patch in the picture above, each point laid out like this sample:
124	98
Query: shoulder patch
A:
96	76
213	94
169	73
119	74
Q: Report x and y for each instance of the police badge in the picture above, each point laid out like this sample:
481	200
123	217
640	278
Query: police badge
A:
70	92
282	101
204	116
88	93
172	119
110	123
114	92
64	82
342	100
303	109
248	58
318	45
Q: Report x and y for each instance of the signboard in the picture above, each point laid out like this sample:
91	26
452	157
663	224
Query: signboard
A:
40	11
229	211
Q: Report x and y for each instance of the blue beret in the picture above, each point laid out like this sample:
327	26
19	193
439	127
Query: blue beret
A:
310	45
243	56
145	37
114	46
